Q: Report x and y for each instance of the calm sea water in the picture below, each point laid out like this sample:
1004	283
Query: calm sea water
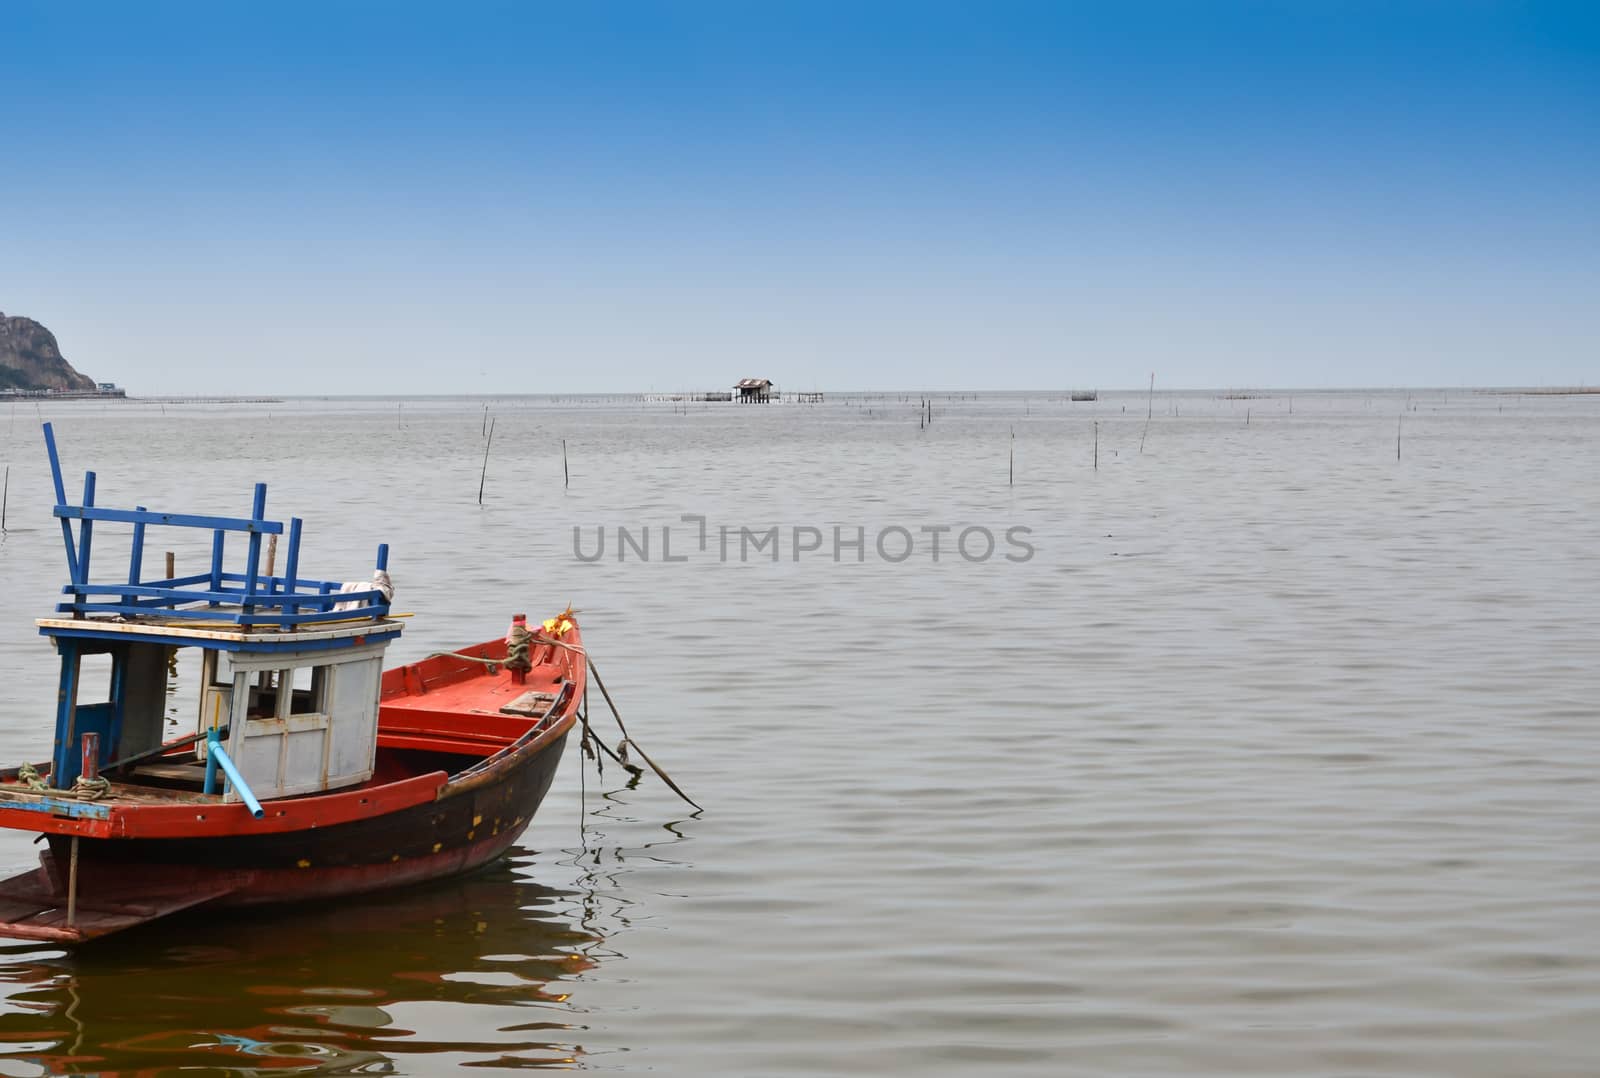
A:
1277	756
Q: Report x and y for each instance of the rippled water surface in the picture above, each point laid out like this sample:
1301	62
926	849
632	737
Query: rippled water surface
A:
1278	755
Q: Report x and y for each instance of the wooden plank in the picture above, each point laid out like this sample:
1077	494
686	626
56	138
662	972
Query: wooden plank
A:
54	804
450	722
456	746
193	770
30	908
122	628
530	704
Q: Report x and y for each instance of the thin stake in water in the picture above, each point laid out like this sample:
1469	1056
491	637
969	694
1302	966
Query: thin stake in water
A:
1398	424
1011	471
5	496
566	476
1150	408
485	474
1097	446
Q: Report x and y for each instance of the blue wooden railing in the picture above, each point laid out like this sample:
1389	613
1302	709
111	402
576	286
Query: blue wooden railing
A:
286	601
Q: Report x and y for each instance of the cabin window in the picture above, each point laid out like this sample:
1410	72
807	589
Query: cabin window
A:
216	698
94	677
309	690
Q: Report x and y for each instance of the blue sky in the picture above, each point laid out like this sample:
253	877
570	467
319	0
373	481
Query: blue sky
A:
385	197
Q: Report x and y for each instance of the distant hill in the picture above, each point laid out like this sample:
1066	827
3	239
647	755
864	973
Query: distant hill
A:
31	359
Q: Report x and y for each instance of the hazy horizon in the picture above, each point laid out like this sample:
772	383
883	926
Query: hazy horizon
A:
1564	389
645	197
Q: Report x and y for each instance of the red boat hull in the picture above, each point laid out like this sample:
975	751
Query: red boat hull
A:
461	831
458	782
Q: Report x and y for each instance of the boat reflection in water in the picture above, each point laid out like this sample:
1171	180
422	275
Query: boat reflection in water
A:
361	987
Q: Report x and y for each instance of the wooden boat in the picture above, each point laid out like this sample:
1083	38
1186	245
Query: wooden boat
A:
311	773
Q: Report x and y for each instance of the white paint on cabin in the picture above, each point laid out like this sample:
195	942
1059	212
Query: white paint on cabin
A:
298	722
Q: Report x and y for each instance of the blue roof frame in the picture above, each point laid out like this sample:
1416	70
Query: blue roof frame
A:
245	599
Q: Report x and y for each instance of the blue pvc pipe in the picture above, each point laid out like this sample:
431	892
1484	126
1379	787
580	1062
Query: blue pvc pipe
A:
214	749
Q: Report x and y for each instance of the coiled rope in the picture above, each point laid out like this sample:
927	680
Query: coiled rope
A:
84	789
91	789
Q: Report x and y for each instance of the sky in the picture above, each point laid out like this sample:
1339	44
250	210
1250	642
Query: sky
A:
346	197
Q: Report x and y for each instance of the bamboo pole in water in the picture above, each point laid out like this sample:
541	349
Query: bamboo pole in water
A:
5	496
566	476
484	476
1150	408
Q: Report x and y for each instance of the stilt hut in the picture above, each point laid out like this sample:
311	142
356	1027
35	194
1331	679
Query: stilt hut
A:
753	390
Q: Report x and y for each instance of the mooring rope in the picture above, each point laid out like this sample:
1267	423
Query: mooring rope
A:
622	760
627	742
499	662
468	658
83	789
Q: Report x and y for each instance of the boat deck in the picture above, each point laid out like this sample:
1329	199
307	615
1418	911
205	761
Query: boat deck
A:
466	703
121	793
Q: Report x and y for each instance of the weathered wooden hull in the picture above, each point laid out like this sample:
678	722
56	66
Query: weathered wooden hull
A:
466	773
466	828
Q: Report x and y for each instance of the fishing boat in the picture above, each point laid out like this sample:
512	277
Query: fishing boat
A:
309	773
